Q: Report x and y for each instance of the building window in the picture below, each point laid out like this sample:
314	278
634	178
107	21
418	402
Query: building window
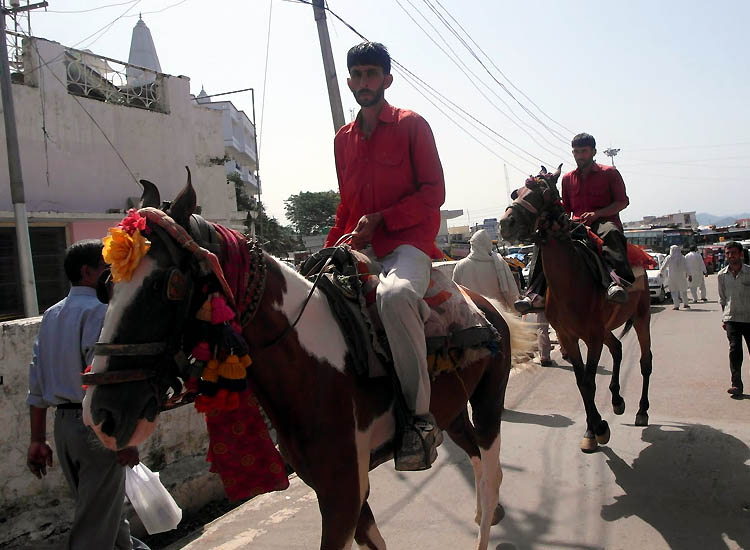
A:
48	246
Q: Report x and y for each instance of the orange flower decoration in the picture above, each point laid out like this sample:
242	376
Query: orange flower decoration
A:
123	252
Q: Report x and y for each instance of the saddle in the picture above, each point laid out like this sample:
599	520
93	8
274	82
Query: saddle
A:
456	331
589	247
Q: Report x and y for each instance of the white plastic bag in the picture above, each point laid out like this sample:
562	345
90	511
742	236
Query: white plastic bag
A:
151	500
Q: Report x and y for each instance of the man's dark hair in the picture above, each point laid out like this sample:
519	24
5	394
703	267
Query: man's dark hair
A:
87	252
369	53
584	140
693	248
733	244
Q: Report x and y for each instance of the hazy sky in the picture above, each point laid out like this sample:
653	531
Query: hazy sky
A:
665	81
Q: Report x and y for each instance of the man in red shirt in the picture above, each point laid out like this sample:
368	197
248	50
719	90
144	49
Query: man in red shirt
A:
391	185
594	194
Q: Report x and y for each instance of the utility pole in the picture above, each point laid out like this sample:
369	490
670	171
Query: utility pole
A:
611	153
334	95
28	286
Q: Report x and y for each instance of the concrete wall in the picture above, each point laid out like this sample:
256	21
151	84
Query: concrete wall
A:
35	510
77	170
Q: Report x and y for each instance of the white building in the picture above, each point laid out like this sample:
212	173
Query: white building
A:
680	219
89	127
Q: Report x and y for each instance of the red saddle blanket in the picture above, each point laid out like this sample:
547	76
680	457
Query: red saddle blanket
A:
636	255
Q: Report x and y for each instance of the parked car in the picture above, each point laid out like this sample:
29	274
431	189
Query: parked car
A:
657	285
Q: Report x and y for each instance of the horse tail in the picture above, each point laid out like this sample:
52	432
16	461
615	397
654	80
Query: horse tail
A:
628	326
522	335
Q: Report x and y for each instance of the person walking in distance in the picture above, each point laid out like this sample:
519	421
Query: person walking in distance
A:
734	298
675	270
696	274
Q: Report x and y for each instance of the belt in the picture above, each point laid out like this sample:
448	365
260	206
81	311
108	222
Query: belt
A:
74	406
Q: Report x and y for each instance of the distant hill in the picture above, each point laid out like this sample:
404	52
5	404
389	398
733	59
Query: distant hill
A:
710	219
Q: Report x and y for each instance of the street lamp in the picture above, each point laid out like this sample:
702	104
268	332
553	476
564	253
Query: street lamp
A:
611	153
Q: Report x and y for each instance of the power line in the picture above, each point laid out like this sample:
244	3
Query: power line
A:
464	68
91	9
159	11
499	70
265	77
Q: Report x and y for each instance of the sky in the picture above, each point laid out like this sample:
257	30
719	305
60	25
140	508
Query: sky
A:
666	82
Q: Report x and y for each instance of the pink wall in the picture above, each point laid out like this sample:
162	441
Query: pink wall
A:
89	229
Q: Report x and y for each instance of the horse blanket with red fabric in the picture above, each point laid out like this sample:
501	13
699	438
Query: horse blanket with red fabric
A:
240	448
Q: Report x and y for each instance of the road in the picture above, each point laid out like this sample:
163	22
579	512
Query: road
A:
682	483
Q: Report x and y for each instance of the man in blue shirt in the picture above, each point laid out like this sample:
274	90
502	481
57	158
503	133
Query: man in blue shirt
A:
65	345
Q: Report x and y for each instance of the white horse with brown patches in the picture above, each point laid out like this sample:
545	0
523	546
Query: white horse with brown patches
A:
328	419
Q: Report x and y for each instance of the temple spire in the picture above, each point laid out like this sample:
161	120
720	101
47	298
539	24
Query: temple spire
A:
143	54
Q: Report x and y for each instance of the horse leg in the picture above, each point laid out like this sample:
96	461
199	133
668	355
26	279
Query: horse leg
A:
615	349
597	430
461	432
367	534
342	486
642	327
487	406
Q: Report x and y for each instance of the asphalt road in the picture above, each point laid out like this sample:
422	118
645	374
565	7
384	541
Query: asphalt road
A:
682	483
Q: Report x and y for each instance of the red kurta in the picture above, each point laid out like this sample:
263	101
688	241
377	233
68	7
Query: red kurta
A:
396	172
603	186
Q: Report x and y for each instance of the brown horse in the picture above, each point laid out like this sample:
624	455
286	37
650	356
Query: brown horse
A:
575	301
328	419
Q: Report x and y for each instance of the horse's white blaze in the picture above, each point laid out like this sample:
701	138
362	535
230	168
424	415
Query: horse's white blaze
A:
124	294
318	331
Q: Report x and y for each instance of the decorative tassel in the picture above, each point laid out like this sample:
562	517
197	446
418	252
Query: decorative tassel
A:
87	370
191	385
220	311
232	369
211	371
204	313
245	361
232	342
202	351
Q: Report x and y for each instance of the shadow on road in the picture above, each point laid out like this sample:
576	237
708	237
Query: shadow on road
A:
690	484
657	309
569	367
549	420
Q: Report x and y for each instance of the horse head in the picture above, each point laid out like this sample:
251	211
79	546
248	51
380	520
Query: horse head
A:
134	371
536	199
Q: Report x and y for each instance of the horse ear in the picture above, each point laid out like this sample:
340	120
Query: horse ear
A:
184	204
543	171
150	196
557	172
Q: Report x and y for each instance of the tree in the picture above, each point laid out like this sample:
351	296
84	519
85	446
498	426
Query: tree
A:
277	239
312	213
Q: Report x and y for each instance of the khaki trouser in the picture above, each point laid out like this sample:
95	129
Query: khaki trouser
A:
404	280
97	482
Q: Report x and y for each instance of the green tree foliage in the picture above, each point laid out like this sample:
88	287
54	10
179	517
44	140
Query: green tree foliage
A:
312	213
277	239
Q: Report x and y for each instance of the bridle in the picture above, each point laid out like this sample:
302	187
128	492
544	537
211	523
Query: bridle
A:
169	351
528	211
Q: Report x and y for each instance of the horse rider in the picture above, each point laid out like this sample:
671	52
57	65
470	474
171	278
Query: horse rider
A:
594	194
391	186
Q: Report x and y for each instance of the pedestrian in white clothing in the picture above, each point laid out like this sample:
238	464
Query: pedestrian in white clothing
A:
676	269
696	274
485	272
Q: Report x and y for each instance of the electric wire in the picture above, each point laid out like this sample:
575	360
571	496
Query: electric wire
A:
265	78
106	137
91	9
464	68
443	99
498	68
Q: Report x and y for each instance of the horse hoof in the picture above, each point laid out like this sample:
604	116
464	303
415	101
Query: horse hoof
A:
498	515
641	419
589	444
603	438
618	409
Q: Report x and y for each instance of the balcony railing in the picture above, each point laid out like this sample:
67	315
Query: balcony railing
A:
106	79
